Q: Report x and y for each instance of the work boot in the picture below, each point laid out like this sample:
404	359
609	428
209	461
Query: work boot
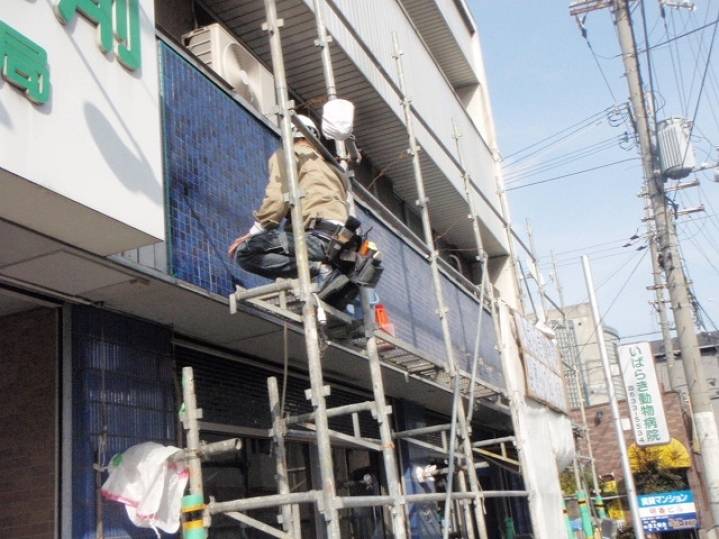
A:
337	290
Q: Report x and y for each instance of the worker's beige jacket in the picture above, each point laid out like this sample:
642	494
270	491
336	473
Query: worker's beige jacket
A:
325	196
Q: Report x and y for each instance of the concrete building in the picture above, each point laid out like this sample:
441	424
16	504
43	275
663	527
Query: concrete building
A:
576	335
134	139
709	346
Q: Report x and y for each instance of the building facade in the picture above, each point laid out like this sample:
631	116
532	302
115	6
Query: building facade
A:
577	337
709	352
134	145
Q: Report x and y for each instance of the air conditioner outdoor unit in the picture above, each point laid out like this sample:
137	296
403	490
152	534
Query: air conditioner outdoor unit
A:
221	52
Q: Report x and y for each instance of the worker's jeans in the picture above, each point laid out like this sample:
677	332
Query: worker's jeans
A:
272	254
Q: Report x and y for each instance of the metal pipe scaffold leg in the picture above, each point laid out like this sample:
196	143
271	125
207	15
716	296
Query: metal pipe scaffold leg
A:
327	505
584	513
323	41
599	506
194	517
394	486
481	257
458	403
466	506
570	532
383	411
278	439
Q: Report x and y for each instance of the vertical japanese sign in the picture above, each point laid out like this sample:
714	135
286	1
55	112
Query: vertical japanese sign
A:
646	408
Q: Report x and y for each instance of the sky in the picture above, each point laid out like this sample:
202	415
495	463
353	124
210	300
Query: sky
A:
571	168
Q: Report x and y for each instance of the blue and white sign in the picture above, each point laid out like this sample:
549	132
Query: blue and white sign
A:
668	511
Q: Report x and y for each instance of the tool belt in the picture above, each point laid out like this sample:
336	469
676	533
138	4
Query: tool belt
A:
338	237
354	255
367	268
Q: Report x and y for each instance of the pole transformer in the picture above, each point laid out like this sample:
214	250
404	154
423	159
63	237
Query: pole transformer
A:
704	423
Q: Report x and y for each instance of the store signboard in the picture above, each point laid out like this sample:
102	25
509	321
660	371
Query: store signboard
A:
668	511
80	123
542	365
644	397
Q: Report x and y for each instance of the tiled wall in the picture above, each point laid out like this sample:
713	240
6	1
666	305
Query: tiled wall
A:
407	292
123	382
216	171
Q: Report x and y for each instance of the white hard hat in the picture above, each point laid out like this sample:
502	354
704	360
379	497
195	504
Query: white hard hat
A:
309	124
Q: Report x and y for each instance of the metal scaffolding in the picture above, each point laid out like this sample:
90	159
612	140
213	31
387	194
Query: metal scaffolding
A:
293	301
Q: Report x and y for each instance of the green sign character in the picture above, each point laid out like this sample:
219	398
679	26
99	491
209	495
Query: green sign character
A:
24	64
98	12
115	19
127	30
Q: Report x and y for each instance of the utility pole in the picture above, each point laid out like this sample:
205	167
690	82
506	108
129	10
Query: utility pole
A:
658	288
704	423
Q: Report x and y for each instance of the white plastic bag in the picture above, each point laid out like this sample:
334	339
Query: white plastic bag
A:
149	484
338	119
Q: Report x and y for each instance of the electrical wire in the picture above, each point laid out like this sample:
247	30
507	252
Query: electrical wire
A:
702	251
648	56
676	64
560	134
565	159
704	74
571	174
708	79
592	338
585	35
694	301
572	261
675	38
641	255
551	144
518	166
582	250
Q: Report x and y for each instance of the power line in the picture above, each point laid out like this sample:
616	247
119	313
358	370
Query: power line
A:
571	174
594	55
560	135
658	45
561	160
706	69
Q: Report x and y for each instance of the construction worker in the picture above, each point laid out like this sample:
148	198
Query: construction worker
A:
268	249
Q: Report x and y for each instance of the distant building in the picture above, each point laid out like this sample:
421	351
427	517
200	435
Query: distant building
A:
709	348
579	346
